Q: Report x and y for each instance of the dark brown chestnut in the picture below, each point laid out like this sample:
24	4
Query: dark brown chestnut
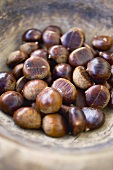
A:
27	117
7	82
73	39
29	47
66	89
63	70
20	84
40	53
10	101
80	57
50	38
54	28
58	53
99	69
77	120
33	88
15	58
81	78
18	71
102	42
54	125
95	118
107	57
36	68
94	52
80	99
49	100
31	35
97	96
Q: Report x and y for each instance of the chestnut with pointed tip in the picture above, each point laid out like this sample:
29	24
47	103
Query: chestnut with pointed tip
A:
49	100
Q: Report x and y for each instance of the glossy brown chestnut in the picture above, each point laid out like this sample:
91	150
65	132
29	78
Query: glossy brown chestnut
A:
33	88
66	89
97	96
111	99
95	118
81	78
49	100
15	58
54	125
18	71
73	39
99	69
64	111
107	57
77	120
80	99
63	70
40	53
31	35
36	68
29	47
27	117
50	38
20	84
10	101
7	82
58	53
80	57
54	28
102	42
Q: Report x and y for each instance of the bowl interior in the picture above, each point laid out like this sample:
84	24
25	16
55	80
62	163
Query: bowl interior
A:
95	18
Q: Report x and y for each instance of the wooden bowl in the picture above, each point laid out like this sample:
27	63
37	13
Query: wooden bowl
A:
24	149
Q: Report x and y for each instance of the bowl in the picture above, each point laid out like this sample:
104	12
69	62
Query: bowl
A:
25	149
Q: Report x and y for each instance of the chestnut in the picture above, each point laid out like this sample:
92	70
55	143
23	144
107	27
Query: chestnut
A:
102	42
31	35
18	71
95	118
97	96
15	58
54	125
20	84
80	99
99	69
40	53
49	100
107	57
77	120
58	53
10	101
73	39
50	38
63	70
66	89
33	88
36	68
29	47
80	57
54	28
27	117
81	78
7	82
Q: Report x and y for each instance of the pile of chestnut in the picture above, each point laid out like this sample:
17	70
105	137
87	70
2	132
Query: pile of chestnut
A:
58	83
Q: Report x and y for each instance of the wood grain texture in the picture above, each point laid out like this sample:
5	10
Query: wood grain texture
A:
25	149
